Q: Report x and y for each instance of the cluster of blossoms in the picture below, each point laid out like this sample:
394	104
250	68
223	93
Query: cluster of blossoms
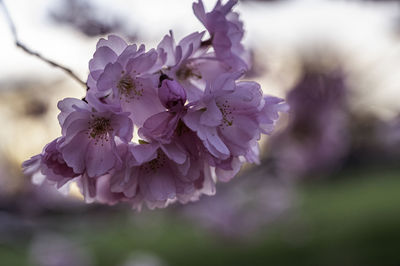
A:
195	122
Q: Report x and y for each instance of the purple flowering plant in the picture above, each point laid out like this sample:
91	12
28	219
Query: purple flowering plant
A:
196	122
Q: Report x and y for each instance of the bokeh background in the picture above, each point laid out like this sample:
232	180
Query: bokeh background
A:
327	191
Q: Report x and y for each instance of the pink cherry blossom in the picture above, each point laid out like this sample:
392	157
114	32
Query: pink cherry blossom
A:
50	165
89	136
226	31
226	117
127	83
152	177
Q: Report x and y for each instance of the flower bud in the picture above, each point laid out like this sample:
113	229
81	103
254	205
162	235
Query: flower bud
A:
172	95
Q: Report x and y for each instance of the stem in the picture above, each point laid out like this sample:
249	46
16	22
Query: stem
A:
19	44
205	43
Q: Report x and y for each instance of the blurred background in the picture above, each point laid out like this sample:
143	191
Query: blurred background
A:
327	191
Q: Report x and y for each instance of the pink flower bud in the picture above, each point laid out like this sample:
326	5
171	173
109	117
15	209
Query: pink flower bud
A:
172	95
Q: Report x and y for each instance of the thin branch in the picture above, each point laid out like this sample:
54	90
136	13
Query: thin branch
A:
205	43
19	44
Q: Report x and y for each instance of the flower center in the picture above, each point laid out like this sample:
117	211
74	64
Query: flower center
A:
156	163
186	72
99	127
129	89
226	110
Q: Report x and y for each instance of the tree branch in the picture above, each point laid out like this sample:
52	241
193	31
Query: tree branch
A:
19	44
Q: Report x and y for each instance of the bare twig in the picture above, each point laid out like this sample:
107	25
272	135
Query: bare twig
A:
19	44
205	43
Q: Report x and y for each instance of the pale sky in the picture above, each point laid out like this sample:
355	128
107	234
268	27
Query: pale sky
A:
361	31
